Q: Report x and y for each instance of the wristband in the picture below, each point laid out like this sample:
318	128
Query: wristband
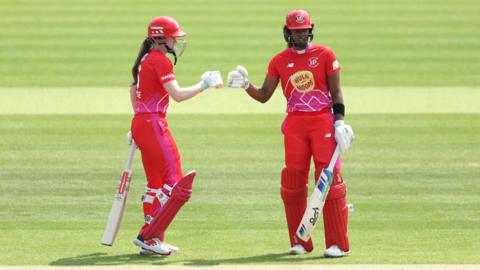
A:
339	108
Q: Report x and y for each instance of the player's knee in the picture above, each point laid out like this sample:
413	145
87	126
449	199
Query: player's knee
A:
181	194
337	191
294	185
294	178
183	190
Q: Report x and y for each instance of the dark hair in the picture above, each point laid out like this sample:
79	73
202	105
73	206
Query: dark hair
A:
144	49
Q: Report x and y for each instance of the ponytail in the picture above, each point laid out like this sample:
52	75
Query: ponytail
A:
144	49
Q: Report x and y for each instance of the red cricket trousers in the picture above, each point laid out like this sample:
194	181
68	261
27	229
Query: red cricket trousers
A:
160	158
307	135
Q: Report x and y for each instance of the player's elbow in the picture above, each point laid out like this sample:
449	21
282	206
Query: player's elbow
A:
175	95
263	99
178	99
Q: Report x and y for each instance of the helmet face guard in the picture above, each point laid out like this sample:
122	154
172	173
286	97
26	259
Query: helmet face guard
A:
287	35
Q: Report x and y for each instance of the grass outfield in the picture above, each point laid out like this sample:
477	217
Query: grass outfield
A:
378	42
112	100
411	81
413	179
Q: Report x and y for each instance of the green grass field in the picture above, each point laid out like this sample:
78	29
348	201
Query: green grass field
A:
413	180
411	84
378	42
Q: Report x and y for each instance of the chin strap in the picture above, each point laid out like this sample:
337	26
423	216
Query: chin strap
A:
169	50
172	51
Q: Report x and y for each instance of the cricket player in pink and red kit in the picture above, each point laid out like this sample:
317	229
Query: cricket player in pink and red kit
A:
154	83
309	75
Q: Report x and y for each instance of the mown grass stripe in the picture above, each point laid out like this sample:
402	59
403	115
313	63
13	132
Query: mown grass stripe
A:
115	100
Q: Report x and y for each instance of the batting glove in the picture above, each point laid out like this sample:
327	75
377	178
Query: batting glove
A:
211	79
238	78
343	135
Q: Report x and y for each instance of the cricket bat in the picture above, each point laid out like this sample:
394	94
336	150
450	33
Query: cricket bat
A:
119	201
317	199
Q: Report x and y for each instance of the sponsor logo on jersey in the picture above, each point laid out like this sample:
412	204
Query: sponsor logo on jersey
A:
313	62
290	65
303	81
335	65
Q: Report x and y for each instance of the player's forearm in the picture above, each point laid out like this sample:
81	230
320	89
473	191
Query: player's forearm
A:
180	94
187	92
337	99
259	95
337	95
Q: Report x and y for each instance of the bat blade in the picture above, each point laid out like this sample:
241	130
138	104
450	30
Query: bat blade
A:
117	210
315	205
317	200
119	202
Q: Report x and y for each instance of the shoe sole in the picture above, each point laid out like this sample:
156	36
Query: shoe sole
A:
173	250
344	254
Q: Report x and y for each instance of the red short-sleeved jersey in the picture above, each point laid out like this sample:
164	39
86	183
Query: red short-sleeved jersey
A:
155	69
304	77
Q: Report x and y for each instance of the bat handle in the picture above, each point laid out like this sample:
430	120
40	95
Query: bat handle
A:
335	155
133	147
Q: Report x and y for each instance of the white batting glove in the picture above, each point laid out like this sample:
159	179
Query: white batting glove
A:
238	78
211	79
343	135
129	138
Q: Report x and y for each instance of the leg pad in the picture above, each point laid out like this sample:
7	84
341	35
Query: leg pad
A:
294	191
165	215
335	217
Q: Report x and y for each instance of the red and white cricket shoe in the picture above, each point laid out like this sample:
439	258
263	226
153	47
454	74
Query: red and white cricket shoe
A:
174	249
153	246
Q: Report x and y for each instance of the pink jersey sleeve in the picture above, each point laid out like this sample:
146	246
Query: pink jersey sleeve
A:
332	63
272	69
164	70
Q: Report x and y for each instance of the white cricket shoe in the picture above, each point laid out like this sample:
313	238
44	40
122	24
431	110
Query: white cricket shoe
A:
152	246
334	252
297	250
174	249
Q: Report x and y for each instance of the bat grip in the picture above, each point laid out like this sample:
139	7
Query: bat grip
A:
335	155
131	154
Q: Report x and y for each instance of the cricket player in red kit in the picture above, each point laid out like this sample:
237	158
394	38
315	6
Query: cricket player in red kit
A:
309	75
154	83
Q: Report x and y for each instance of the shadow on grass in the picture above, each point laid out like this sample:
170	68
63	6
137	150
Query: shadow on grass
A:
104	259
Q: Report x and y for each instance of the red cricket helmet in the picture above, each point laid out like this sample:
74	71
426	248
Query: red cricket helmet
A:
164	26
298	19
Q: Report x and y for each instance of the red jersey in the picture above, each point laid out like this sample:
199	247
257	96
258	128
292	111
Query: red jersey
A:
155	69
304	77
